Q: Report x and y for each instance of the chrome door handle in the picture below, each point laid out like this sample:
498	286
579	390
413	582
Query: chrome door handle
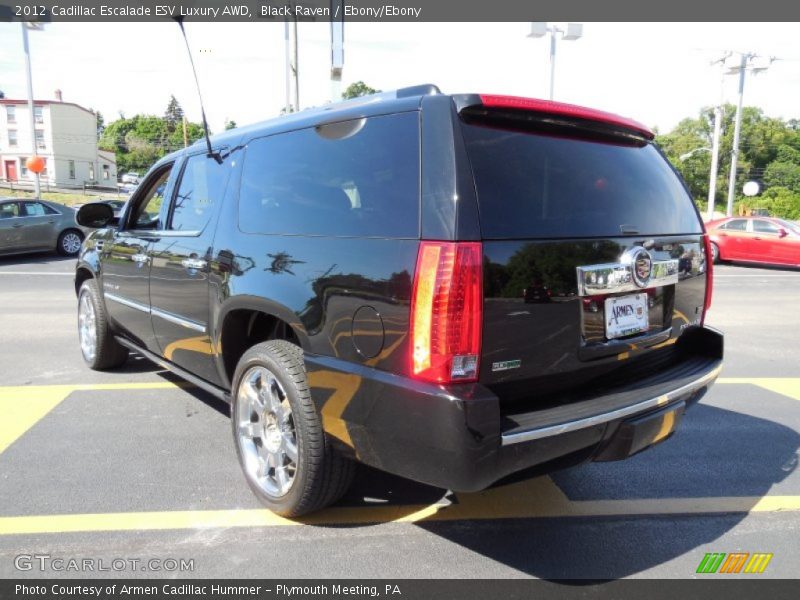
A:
194	263
140	258
17	226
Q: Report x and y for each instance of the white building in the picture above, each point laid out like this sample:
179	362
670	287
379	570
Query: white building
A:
66	138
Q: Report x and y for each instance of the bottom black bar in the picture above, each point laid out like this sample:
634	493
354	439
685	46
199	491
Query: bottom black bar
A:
713	586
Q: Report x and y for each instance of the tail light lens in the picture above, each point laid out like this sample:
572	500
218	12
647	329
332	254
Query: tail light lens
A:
446	312
709	276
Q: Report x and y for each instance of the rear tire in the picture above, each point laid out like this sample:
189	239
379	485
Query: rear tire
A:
69	242
715	253
99	349
287	459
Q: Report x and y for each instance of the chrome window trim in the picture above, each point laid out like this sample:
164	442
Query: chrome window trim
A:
167	316
662	400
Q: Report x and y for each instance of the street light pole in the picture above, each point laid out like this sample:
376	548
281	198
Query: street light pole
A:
736	132
553	32
573	31
712	180
37	187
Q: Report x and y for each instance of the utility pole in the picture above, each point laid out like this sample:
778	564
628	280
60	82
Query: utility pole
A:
25	25
744	65
736	133
185	133
337	49
712	180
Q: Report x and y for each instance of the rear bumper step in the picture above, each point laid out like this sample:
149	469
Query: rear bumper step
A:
545	427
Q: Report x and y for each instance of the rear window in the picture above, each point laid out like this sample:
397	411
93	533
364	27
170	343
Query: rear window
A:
352	178
534	185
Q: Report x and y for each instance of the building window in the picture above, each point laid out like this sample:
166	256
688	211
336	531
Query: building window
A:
40	145
23	168
72	169
11	114
12	138
91	172
105	172
37	114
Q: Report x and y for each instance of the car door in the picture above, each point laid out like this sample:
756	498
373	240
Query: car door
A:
127	260
39	225
179	289
732	239
787	246
765	241
10	226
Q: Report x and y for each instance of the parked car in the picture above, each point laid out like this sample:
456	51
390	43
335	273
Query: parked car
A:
131	177
764	240
37	225
351	279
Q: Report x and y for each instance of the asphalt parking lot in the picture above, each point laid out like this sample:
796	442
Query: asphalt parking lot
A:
128	464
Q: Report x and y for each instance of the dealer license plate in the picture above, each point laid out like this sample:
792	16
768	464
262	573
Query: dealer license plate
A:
626	315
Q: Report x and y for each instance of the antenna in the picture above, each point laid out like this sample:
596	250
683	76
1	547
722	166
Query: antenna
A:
211	153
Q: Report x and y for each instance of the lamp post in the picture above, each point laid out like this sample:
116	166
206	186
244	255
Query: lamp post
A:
36	27
712	179
573	31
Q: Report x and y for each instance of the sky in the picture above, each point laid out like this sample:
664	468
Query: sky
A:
657	73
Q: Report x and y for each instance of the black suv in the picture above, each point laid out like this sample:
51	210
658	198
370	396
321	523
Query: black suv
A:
451	288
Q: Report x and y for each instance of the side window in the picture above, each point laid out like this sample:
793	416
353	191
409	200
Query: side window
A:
37	209
145	214
761	226
202	184
353	178
736	225
9	210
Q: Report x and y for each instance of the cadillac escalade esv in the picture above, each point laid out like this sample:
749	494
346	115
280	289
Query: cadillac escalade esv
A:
451	288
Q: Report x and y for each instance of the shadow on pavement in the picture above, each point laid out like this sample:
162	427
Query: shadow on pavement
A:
719	454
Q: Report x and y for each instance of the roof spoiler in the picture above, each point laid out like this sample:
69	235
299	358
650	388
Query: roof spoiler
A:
548	108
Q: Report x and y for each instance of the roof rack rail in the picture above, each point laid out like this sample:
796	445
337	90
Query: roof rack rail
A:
425	89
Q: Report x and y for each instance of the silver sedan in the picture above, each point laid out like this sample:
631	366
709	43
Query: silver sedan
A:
37	225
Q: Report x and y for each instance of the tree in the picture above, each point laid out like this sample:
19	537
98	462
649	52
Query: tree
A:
769	152
359	88
230	124
100	121
174	114
143	139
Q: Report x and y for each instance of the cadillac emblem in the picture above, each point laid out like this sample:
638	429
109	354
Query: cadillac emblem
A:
641	265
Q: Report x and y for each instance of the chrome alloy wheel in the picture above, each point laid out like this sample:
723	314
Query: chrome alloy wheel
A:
265	432
87	327
71	243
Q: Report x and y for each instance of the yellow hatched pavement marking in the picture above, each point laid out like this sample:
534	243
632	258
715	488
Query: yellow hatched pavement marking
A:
786	386
21	408
537	498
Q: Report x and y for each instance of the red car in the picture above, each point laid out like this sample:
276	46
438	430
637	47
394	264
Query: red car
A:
755	239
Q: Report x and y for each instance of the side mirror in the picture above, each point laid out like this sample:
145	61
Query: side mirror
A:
782	233
95	215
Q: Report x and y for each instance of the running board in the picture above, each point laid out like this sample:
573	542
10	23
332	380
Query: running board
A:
182	373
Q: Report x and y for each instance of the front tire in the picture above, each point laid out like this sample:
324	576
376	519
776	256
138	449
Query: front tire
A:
69	242
286	457
99	348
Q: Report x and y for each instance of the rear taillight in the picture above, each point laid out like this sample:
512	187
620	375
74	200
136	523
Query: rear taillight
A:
709	276
446	312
